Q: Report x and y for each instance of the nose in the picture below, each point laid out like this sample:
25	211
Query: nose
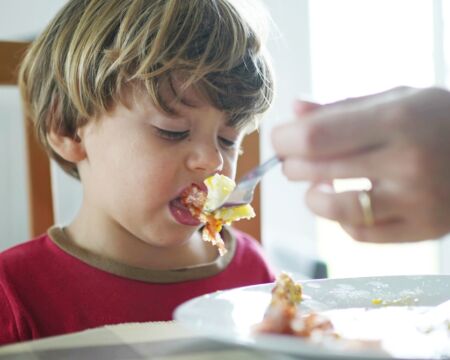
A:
205	157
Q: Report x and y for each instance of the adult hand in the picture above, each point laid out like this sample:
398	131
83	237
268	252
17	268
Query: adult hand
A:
399	139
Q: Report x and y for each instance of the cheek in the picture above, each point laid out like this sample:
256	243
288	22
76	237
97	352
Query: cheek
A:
146	173
140	188
130	167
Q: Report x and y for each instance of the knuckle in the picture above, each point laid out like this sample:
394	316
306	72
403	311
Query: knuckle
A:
312	137
395	117
402	89
415	163
436	92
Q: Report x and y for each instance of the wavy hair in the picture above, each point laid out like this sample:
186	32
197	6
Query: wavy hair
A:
90	53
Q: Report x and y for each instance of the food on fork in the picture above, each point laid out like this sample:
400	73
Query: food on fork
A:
202	206
194	199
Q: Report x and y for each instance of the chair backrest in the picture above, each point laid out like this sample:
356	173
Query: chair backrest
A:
41	215
248	160
40	202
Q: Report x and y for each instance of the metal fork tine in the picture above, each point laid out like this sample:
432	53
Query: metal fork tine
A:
243	193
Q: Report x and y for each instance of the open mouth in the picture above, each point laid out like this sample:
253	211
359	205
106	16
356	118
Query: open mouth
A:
179	206
182	214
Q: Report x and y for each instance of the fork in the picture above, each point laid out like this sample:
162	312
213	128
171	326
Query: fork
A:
243	192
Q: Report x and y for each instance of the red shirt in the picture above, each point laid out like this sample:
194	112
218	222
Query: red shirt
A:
48	289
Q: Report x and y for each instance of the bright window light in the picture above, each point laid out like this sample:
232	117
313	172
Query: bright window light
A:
357	48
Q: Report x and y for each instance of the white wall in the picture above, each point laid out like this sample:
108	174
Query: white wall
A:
353	55
67	195
22	19
13	197
288	227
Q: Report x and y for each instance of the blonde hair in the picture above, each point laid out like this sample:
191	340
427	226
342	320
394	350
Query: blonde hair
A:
85	59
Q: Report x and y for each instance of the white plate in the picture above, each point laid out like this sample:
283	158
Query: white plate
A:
230	315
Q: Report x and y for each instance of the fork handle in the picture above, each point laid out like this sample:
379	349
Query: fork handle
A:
261	169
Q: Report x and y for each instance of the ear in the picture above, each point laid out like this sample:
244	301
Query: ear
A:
69	148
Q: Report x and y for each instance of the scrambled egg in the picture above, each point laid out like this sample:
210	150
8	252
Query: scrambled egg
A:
219	188
286	290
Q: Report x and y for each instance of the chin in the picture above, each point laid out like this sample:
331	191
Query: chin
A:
176	236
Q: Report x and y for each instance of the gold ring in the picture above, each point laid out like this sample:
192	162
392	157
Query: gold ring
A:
366	206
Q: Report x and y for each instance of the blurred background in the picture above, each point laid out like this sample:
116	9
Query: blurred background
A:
323	50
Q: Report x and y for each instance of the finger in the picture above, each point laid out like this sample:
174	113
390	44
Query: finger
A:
346	208
330	132
397	231
302	107
384	95
369	164
341	128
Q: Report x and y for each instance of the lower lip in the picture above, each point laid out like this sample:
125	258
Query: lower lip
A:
182	214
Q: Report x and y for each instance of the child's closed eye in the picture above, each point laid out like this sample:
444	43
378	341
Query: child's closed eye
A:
171	135
226	143
180	135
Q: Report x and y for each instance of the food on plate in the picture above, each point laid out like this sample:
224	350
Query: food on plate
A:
396	326
401	301
286	290
283	316
202	205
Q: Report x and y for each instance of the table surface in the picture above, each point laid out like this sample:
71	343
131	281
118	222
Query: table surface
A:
156	340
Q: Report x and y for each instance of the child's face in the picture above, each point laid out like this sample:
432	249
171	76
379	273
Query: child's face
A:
139	161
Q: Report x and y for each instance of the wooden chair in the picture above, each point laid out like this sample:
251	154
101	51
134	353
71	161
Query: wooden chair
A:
247	161
41	214
37	163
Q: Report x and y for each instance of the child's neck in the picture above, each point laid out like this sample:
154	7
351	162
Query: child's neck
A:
115	243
